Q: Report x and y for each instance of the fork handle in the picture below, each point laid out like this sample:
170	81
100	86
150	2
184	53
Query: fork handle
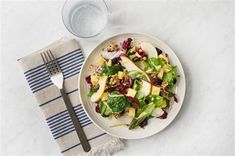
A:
81	135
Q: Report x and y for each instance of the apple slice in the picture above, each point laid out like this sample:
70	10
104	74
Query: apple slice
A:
130	66
146	88
102	82
157	112
149	49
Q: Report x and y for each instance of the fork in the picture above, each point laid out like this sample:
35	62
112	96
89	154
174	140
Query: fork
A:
56	77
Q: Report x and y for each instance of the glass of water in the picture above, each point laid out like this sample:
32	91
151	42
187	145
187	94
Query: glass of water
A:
85	18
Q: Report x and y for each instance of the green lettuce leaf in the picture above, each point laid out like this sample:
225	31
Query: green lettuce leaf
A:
110	70
92	91
170	77
117	102
136	74
152	65
157	100
143	115
104	109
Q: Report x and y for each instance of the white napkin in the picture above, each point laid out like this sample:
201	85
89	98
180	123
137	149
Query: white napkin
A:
70	59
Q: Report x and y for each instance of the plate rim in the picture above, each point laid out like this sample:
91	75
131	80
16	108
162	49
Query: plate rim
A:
131	33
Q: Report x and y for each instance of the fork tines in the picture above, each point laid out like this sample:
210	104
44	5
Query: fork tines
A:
50	62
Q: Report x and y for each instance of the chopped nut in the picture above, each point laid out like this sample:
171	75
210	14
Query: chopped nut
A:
164	84
91	67
112	47
116	115
114	80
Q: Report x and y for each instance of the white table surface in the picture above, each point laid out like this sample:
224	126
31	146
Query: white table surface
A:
201	33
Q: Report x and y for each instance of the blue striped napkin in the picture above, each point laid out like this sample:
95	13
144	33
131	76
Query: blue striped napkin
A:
70	59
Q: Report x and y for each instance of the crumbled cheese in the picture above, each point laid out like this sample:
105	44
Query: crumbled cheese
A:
100	60
104	96
94	79
131	92
156	90
121	75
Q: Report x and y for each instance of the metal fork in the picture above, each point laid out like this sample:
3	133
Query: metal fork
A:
56	77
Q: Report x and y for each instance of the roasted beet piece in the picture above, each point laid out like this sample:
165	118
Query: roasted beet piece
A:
175	99
142	54
121	88
156	81
88	80
163	116
126	44
97	108
110	89
134	102
116	60
127	81
159	51
136	59
143	123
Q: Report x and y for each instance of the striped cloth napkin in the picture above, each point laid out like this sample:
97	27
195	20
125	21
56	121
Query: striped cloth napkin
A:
70	59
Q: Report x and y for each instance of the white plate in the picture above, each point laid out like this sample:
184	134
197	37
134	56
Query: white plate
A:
155	125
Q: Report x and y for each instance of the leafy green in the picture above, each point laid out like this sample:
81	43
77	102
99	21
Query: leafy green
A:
139	95
140	110
157	100
110	70
92	91
168	67
104	109
167	94
141	98
148	68
136	74
117	102
152	64
136	85
170	76
143	115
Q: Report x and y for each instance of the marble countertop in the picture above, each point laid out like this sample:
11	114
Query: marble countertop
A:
200	32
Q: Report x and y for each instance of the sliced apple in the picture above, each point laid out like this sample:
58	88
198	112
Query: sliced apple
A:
102	82
149	49
140	64
130	66
157	112
146	88
131	112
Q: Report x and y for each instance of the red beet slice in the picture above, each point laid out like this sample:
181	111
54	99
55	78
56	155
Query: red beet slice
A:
126	44
163	116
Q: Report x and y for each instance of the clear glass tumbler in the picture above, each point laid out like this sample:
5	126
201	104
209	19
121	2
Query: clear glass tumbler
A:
85	18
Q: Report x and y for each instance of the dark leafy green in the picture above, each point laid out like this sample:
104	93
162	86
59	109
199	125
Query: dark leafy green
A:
92	91
117	102
110	70
143	115
136	74
104	109
152	65
141	98
136	85
156	99
170	77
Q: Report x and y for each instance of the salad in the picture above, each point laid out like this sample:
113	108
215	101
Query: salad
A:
133	79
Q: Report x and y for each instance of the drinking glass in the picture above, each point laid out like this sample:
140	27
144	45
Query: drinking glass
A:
85	18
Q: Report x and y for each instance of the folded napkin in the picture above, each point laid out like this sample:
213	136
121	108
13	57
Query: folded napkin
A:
70	59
